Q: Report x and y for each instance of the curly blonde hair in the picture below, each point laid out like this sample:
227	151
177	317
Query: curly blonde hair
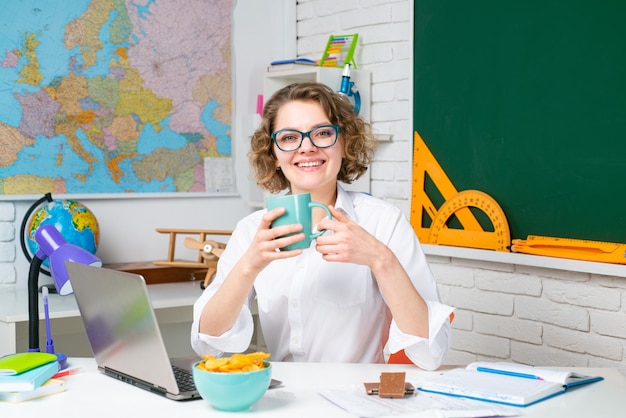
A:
358	141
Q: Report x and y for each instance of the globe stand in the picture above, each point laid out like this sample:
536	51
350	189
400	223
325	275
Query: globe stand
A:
46	198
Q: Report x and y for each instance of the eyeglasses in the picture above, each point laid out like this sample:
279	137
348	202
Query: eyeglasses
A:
290	140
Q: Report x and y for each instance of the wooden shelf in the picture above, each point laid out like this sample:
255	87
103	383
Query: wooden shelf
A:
155	274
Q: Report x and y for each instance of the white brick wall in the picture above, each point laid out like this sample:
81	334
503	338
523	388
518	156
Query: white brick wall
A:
504	312
547	317
384	30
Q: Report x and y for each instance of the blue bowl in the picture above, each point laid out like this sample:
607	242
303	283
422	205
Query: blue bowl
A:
232	391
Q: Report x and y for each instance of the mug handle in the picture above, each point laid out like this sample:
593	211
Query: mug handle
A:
330	216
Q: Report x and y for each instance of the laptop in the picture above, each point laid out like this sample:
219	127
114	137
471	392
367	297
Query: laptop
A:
124	334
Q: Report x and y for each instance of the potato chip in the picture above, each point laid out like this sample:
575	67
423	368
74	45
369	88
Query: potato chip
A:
236	363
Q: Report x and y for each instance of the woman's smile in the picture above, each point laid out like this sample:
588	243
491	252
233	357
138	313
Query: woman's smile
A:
309	164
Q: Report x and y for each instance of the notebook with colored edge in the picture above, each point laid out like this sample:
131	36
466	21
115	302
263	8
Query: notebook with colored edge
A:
51	387
21	362
505	383
30	379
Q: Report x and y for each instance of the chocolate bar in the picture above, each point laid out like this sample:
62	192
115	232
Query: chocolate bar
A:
392	385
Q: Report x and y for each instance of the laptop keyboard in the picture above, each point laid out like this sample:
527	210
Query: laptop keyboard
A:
184	379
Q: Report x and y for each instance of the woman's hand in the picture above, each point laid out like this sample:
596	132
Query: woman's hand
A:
267	242
349	242
222	310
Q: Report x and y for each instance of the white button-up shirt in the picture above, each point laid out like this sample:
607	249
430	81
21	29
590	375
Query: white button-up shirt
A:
319	311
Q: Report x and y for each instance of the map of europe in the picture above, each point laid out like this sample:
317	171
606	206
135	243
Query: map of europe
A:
113	96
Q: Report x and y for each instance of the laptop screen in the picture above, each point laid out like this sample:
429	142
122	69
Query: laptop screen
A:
121	325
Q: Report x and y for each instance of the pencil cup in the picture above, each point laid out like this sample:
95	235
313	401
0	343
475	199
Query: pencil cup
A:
298	210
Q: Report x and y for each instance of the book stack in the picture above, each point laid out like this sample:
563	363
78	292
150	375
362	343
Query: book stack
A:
26	376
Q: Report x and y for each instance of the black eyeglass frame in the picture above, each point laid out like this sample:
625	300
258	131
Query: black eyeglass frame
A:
306	134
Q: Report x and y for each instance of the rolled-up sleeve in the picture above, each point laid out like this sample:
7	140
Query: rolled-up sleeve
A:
238	337
235	340
427	353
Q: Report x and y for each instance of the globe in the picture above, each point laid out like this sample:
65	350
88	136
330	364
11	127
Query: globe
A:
76	223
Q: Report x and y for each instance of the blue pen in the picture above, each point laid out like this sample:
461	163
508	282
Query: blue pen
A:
62	358
49	342
516	374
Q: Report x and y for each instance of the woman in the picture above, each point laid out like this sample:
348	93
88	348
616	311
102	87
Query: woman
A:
363	284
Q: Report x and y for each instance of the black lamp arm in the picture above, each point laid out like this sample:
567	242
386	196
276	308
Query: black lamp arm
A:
33	304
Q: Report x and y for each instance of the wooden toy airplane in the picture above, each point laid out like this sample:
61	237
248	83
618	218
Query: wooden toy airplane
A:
209	251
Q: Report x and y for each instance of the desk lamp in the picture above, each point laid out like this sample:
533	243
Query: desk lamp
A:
53	246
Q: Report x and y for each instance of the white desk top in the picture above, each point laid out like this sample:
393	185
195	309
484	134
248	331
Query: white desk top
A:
91	391
14	301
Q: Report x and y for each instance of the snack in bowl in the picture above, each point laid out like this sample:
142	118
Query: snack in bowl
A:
235	383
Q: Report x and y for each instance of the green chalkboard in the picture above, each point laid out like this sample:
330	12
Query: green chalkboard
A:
526	101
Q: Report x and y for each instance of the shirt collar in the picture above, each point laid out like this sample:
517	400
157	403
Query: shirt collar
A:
345	202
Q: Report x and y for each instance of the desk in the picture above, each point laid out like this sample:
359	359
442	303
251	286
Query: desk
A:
172	303
92	392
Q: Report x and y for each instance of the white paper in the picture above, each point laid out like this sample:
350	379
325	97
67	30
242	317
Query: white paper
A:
353	399
219	176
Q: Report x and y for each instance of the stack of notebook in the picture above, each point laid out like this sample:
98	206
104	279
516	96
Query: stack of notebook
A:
26	376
